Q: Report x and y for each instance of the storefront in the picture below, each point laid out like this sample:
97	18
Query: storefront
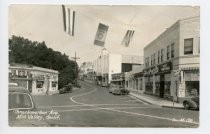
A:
189	83
158	80
38	81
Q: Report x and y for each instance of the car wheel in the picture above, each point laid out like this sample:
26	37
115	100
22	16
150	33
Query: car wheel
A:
186	106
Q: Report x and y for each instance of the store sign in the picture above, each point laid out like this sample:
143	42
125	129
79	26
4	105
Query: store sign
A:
166	67
154	70
39	77
18	73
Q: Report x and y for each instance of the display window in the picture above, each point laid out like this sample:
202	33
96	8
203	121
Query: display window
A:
148	84
39	84
54	84
192	88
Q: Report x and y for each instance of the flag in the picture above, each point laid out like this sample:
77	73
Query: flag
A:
101	34
127	38
68	20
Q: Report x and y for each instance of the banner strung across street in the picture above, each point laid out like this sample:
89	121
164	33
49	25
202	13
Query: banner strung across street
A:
127	38
68	20
101	34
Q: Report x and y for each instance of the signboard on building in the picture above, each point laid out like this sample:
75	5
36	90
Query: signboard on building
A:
166	67
163	68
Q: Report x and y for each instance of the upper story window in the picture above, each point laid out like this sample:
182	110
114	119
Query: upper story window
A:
188	46
154	59
172	50
158	57
168	52
161	58
151	60
147	62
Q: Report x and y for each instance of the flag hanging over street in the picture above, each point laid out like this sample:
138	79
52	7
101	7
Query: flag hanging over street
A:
68	20
101	34
127	38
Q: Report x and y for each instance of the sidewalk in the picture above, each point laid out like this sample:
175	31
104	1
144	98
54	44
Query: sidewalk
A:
155	100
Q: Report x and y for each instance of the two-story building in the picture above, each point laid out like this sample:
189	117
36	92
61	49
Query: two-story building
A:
172	61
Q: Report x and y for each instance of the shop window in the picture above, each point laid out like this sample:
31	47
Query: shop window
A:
168	52
39	84
157	84
172	50
54	84
167	87
148	84
192	88
188	46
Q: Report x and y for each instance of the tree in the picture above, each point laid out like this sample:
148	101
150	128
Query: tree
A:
36	53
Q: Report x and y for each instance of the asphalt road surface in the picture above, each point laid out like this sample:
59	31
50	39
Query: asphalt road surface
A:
94	106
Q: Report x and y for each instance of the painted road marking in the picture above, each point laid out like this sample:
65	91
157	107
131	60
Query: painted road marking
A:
120	111
89	105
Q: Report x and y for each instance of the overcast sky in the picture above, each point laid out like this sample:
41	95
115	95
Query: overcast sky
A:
45	23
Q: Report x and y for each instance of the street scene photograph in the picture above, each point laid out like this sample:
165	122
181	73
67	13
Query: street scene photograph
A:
118	66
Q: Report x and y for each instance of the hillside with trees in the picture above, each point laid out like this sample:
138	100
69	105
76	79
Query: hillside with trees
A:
35	53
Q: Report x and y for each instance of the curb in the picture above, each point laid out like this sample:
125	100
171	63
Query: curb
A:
163	106
144	100
172	107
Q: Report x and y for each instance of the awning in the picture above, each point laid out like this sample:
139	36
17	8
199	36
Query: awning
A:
189	68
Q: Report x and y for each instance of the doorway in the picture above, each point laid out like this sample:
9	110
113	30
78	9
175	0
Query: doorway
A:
162	86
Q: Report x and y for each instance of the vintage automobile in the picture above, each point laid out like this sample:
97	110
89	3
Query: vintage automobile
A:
191	103
112	87
20	100
66	89
120	91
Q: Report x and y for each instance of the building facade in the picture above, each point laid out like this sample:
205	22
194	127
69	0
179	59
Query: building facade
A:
172	61
39	81
86	71
108	64
134	80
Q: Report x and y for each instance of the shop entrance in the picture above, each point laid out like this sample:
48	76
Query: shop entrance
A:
162	83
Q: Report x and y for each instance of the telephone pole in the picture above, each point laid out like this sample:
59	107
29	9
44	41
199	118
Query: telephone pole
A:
75	69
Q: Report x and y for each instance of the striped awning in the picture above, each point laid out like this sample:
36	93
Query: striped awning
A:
189	68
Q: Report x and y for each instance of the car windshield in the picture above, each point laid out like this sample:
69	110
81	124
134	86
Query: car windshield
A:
20	101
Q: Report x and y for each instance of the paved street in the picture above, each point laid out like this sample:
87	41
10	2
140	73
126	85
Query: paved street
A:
94	106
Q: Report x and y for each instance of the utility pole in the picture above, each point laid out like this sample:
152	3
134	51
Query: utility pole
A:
75	69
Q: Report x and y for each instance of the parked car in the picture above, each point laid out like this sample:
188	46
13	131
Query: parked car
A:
120	91
66	89
112	87
20	99
191	103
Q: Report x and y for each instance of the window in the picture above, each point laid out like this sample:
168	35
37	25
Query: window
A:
159	56
151	60
168	52
162	51
54	84
172	50
39	84
147	62
188	46
154	59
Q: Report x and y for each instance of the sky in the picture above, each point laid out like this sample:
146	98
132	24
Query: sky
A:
45	23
